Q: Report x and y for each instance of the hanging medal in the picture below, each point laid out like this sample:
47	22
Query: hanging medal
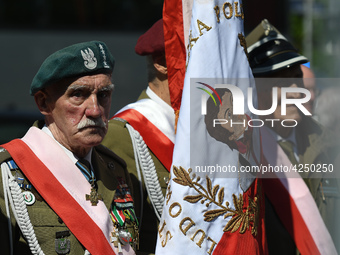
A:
62	244
122	213
85	168
28	196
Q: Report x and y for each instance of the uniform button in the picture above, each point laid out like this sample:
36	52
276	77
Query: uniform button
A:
60	220
166	179
111	165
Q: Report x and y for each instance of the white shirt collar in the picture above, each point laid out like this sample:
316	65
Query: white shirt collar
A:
158	100
69	153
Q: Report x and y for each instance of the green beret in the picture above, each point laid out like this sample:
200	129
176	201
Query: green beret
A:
76	60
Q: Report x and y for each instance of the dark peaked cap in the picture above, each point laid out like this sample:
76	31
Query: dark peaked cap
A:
152	41
269	51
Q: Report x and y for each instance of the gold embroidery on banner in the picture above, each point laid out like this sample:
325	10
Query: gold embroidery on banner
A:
240	15
200	241
254	204
161	229
179	211
191	39
241	220
229	10
186	65
164	242
212	246
227	5
201	26
192	223
177	111
217	11
167	235
243	43
168	194
190	45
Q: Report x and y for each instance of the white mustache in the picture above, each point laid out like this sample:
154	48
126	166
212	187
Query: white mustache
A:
91	123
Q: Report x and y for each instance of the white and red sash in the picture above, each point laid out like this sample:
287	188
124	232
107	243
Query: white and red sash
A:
155	125
63	187
294	203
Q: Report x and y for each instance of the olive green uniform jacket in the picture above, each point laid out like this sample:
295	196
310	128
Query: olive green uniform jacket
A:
45	221
118	140
316	145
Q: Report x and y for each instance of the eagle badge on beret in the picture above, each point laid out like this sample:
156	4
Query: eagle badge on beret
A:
90	61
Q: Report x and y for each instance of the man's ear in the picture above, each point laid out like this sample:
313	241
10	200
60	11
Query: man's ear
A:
41	99
160	64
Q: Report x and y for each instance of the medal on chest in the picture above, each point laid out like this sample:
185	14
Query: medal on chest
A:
27	195
62	244
86	169
124	219
94	197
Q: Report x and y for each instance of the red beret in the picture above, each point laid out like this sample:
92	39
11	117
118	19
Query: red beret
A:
152	41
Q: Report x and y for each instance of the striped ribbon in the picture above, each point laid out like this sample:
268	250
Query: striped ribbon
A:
85	168
117	216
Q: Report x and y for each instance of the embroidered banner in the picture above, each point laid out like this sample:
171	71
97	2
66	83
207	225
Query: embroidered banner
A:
204	212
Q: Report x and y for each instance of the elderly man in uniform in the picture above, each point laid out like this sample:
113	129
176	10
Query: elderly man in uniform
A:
61	191
142	133
272	56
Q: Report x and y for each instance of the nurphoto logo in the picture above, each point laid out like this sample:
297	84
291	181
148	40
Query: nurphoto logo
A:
232	99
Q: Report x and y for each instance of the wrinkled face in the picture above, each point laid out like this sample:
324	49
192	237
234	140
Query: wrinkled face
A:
78	111
281	79
226	112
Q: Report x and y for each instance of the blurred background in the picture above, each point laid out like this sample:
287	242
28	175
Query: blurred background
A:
32	30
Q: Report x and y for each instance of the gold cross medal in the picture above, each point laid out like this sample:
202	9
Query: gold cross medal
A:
94	197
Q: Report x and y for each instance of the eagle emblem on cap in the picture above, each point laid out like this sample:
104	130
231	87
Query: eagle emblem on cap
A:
90	61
